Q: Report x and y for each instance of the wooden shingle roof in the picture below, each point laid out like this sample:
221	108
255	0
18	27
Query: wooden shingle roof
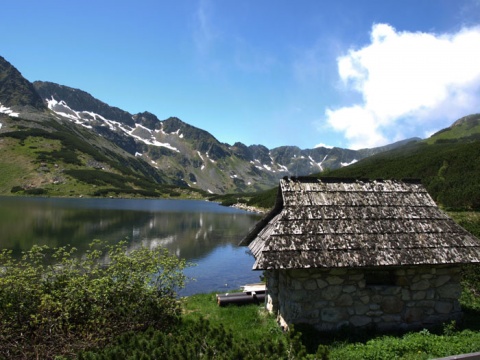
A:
340	223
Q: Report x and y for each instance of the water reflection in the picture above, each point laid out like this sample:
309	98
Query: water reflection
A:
201	232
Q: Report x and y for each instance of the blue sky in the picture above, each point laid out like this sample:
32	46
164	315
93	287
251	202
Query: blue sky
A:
351	74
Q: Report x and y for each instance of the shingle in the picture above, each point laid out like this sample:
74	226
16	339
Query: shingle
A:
358	223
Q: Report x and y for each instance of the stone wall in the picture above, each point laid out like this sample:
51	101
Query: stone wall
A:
329	299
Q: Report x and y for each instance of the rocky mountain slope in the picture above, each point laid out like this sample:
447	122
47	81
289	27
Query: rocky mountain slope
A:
44	153
166	151
190	155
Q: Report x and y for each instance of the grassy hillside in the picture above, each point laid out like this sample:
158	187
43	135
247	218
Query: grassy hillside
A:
53	160
449	171
466	128
447	163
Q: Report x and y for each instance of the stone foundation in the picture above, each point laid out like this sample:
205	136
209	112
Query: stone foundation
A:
330	299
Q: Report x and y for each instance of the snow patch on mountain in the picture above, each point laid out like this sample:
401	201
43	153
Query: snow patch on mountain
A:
139	132
314	163
350	163
7	111
146	135
201	157
180	135
319	164
211	160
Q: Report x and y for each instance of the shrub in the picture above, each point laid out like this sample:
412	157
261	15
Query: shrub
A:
417	345
197	339
16	189
35	191
55	303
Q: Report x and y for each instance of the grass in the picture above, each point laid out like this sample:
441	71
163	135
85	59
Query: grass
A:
35	163
253	324
418	345
459	131
14	165
250	322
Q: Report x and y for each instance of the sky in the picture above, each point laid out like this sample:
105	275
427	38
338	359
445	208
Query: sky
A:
345	73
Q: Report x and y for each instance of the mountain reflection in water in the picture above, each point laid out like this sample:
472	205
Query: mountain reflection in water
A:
202	232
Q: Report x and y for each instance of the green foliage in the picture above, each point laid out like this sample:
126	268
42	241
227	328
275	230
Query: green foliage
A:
198	339
449	171
16	189
125	191
470	298
265	200
250	322
469	220
35	191
418	345
229	199
120	183
54	303
465	129
71	148
98	177
66	155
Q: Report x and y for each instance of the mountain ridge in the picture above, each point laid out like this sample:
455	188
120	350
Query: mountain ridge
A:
15	90
178	153
267	165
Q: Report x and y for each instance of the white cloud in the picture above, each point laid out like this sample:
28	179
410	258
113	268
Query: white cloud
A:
204	34
407	80
251	59
323	145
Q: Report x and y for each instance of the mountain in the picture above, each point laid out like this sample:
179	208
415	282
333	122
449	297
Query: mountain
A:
447	163
81	132
190	155
43	153
15	90
465	129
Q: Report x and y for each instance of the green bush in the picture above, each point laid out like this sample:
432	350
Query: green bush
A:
16	189
35	191
197	339
418	345
126	191
265	199
55	303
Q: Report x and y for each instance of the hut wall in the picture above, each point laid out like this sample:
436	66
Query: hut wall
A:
329	299
272	281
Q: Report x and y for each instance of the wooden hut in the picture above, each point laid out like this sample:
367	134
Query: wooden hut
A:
352	253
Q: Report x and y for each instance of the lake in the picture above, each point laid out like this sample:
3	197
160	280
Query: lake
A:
201	232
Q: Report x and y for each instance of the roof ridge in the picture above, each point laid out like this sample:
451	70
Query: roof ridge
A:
336	179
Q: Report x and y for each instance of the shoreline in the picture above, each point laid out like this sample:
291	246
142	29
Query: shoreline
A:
250	208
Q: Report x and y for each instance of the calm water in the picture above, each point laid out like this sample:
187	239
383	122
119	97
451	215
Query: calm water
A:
201	232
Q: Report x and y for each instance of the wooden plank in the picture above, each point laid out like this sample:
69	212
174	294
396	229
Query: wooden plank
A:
257	288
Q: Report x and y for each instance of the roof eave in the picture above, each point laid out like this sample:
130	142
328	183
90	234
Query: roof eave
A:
252	234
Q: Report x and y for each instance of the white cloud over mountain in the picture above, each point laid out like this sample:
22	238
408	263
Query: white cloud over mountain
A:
407	80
